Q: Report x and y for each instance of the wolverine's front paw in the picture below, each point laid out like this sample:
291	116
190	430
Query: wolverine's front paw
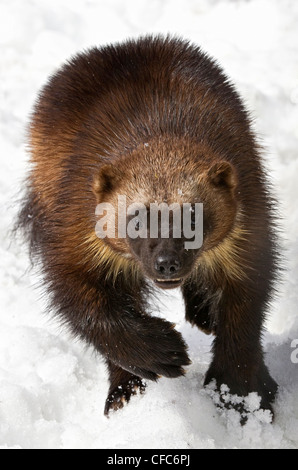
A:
121	394
153	349
239	391
163	352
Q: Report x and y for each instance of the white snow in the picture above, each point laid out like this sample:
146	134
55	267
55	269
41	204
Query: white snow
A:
53	388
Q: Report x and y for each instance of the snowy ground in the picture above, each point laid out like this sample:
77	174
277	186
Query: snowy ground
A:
52	389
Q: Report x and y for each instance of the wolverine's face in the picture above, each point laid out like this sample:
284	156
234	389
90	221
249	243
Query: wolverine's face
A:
166	241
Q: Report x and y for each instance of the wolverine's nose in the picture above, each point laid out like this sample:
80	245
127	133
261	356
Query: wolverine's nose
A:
167	265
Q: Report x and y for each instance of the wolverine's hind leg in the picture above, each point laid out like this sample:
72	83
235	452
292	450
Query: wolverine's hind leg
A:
200	306
123	385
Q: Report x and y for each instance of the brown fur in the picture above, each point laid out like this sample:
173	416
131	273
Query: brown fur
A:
157	120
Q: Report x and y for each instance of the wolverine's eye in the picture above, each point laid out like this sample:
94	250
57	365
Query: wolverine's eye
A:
193	220
137	223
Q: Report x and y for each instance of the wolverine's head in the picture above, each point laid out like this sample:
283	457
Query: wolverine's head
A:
163	206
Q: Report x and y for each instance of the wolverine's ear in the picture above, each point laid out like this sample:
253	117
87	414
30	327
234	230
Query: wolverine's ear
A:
105	180
222	174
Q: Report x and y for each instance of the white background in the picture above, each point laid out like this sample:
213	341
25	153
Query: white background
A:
52	389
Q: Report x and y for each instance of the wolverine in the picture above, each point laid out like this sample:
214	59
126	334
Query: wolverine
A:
154	120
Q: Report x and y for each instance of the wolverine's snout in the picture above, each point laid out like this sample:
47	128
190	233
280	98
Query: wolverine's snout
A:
167	267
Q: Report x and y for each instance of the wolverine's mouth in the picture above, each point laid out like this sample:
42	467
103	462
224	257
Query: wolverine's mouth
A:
168	283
